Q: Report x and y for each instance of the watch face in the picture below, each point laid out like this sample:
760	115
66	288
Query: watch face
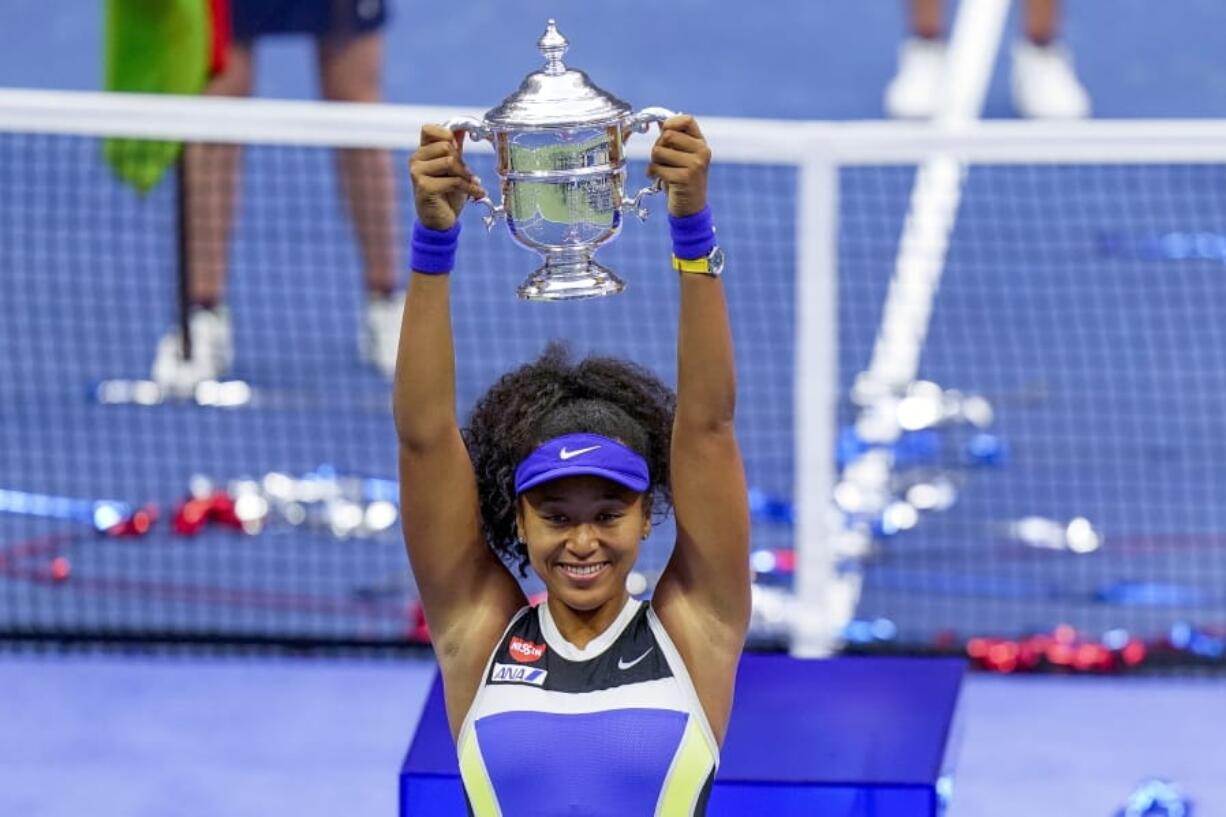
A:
716	261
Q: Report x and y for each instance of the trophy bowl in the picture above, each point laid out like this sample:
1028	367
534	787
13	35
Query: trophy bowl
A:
558	142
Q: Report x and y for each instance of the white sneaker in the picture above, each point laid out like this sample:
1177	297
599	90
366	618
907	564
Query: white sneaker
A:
381	332
1044	83
212	352
914	91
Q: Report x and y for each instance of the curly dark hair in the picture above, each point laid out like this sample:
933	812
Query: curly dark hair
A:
553	396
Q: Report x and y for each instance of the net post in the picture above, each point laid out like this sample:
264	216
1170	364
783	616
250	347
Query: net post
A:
821	598
181	253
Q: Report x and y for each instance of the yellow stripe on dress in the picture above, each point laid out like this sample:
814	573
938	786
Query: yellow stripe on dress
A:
477	780
691	766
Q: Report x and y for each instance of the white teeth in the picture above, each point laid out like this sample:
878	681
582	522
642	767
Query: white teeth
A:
583	570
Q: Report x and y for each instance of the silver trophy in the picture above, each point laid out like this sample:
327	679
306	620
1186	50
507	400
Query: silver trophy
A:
558	141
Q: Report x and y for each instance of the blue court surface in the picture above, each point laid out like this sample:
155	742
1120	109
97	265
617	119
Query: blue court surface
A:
198	737
794	60
145	737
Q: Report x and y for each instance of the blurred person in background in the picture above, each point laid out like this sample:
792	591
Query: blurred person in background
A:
1044	83
349	49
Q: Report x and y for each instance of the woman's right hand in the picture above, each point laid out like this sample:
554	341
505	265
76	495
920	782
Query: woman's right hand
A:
441	180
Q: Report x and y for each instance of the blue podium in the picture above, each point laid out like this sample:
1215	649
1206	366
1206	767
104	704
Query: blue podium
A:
843	737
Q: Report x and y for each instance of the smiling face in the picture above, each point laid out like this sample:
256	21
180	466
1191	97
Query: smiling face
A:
583	535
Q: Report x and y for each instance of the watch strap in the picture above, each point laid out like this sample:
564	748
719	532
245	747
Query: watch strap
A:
701	266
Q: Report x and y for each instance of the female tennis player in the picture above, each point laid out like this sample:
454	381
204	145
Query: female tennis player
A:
591	703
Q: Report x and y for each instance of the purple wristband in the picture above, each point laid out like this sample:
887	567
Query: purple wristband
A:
693	236
433	251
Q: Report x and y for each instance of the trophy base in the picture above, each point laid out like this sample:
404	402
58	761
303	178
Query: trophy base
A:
570	278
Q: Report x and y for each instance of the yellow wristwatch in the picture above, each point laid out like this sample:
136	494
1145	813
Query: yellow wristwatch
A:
710	264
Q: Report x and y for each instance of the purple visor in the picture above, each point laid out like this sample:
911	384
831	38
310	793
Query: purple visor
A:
574	454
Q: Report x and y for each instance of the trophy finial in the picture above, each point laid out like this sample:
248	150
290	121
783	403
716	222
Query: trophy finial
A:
553	45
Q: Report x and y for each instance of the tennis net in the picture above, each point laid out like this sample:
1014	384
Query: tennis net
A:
1029	377
261	508
979	376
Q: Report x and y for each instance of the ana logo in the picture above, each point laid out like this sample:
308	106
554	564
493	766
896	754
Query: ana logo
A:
526	652
511	674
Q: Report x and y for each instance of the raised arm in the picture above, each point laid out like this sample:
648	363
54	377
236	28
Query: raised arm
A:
706	582
467	594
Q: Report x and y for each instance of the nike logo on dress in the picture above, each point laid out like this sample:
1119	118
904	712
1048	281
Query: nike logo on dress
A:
623	664
570	455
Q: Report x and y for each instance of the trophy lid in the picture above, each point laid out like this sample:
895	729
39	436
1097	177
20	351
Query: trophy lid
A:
556	96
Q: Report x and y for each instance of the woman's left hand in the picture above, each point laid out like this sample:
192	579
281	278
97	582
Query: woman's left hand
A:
680	158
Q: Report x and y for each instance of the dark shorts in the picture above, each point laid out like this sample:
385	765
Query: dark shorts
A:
322	18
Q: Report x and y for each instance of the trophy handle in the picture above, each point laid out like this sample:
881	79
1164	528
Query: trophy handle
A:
472	126
644	119
641	122
635	204
493	211
477	131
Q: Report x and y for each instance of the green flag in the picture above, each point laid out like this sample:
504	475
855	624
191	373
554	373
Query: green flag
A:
153	47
